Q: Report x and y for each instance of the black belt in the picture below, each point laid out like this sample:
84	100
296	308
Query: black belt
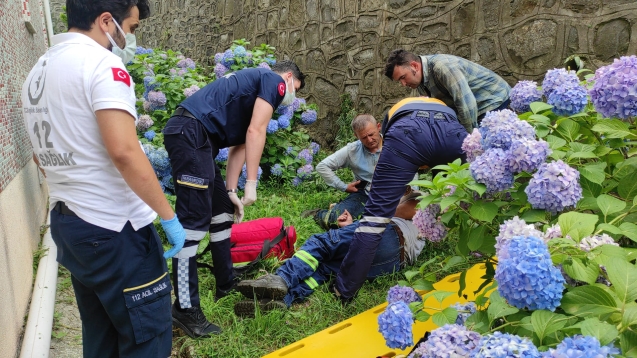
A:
61	208
401	242
181	111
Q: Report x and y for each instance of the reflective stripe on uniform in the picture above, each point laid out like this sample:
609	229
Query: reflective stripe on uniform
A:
192	185
220	236
183	288
311	282
307	258
187	252
375	220
222	218
370	230
194	235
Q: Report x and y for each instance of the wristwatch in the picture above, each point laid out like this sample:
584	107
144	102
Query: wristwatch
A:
235	190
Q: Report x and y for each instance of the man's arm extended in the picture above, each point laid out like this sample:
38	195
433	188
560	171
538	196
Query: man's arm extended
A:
328	165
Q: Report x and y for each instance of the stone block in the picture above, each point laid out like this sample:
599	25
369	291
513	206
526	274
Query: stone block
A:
369	5
611	39
486	50
365	104
295	42
463	50
338	61
532	45
410	31
344	28
491	13
430	48
273	20
352	90
392	25
350	42
311	35
520	8
329	93
337	79
421	13
368	22
572	43
312	10
296	13
387	45
315	61
582	6
362	58
330	10
370	38
437	31
464	21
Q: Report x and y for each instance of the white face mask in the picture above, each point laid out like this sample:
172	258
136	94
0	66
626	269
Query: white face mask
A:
110	38
289	96
128	53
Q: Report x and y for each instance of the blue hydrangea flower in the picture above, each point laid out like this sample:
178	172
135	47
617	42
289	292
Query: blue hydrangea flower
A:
402	293
527	277
298	102
186	63
222	156
614	93
240	51
158	158
472	145
527	155
428	223
270	60
554	187
590	242
395	325
568	99
464	311
523	94
557	77
264	65
150	135
283	109
305	172
308	117
499	129
492	170
157	100
306	156
218	57
273	126
448	341
167	182
150	84
296	181
285	120
276	170
142	51
244	176
228	59
220	70
315	148
289	150
508	230
581	347
191	90
504	345
144	122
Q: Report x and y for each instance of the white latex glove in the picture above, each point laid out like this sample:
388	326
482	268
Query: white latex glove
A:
238	207
249	193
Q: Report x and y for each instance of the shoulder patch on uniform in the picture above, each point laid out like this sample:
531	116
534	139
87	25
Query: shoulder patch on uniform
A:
281	88
121	75
193	182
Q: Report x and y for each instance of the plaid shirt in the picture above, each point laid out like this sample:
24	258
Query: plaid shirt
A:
470	89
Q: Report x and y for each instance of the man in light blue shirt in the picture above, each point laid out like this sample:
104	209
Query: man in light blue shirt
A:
361	157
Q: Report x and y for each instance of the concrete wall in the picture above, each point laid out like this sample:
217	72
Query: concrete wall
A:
22	197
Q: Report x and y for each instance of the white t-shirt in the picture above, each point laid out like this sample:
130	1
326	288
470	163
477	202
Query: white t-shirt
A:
71	81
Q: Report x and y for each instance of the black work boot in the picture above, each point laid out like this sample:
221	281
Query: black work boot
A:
221	293
268	286
222	267
249	308
193	322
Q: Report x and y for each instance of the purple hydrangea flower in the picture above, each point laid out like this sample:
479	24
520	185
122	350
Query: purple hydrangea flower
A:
283	109
163	56
186	63
581	346
508	230
222	156
492	170
504	345
590	242
315	148
285	120
181	72
614	93
499	129
276	170
472	145
240	51
244	176
150	135
249	59
448	341
554	187
297	104
464	311
395	325
523	94
557	77
428	223
527	277
264	65
308	117
552	232
305	172
296	181
306	155
146	106
218	57
228	59
157	100
527	155
402	293
568	99
144	122
273	126
191	90
220	70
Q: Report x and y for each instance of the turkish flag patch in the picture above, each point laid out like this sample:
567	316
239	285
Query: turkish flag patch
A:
281	89
121	75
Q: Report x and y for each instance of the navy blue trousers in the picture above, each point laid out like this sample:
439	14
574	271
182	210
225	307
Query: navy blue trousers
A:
354	203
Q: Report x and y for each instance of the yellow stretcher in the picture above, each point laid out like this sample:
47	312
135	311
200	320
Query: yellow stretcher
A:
359	337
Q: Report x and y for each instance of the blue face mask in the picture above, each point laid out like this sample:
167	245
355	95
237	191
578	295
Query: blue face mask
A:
128	53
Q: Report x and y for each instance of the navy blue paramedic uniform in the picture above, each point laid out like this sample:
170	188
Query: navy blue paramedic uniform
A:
217	116
417	132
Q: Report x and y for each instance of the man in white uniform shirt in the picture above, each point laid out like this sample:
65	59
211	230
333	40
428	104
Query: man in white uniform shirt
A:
79	110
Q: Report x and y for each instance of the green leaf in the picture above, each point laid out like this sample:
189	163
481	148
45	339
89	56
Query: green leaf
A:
569	129
447	201
546	322
629	318
422	285
582	155
534	216
453	261
438	295
498	307
581	272
478	322
588	301
484	211
607	253
623	276
610	229
594	172
581	147
488	245
610	205
613	128
629	230
624	168
577	225
462	282
627	188
446	316
628	344
555	142
537	107
476	238
411	274
589	188
478	188
422	316
587	203
603	331
540	119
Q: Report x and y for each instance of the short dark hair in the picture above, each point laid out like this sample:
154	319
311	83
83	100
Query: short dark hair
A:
398	57
82	13
144	9
289	66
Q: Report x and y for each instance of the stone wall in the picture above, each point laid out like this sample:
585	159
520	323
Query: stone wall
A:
342	44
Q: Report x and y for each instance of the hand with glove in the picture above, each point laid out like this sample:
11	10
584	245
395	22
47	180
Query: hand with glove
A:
238	207
175	234
249	193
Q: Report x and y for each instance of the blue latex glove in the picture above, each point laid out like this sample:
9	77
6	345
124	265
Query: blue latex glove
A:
175	234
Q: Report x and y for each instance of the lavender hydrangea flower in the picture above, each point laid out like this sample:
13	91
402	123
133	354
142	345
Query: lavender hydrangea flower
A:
523	94
527	277
581	346
554	187
308	117
614	93
218	57
239	51
146	106
499	129
296	181
181	72
276	170
557	77
508	230
298	102
492	170
306	155
186	63
590	242
191	90
464	311
144	122
285	120
395	325
228	59
504	345
472	145
552	232
249	58
150	135
428	223
163	56
527	155
222	156
315	148
568	99
157	100
220	70
402	293
264	65
305	172
273	126
448	341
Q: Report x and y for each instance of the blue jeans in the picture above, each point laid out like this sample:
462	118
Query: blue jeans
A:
321	256
354	203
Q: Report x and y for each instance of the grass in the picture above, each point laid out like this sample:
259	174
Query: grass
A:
269	332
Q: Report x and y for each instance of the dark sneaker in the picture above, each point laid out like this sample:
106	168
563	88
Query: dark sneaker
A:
308	213
268	286
193	322
249	308
220	293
